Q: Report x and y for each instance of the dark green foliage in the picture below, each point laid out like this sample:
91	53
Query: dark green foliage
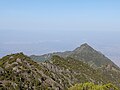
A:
92	86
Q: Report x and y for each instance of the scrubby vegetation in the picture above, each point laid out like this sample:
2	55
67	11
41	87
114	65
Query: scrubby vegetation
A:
19	72
92	86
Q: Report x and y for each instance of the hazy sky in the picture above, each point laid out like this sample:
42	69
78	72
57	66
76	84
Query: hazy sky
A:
42	26
60	14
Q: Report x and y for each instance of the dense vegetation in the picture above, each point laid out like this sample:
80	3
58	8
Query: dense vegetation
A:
92	86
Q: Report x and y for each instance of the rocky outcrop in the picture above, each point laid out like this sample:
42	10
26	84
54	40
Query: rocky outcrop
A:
1	71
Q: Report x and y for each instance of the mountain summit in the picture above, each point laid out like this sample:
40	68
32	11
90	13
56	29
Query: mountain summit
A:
84	46
83	53
89	55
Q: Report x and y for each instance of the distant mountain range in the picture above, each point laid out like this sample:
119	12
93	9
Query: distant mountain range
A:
83	53
58	71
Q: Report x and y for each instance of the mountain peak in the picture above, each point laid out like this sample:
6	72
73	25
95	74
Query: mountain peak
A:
84	46
84	53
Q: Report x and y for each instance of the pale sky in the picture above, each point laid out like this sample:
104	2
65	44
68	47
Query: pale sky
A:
42	26
59	15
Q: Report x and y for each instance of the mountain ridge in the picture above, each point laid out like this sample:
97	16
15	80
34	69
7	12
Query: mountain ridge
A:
18	71
85	53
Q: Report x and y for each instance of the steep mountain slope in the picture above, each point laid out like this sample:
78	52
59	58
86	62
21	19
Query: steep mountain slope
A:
84	53
82	72
91	56
19	72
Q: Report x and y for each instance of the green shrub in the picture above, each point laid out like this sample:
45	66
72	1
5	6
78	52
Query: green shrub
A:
92	86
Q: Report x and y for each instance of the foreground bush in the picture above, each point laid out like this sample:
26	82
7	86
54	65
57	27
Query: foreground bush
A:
92	86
